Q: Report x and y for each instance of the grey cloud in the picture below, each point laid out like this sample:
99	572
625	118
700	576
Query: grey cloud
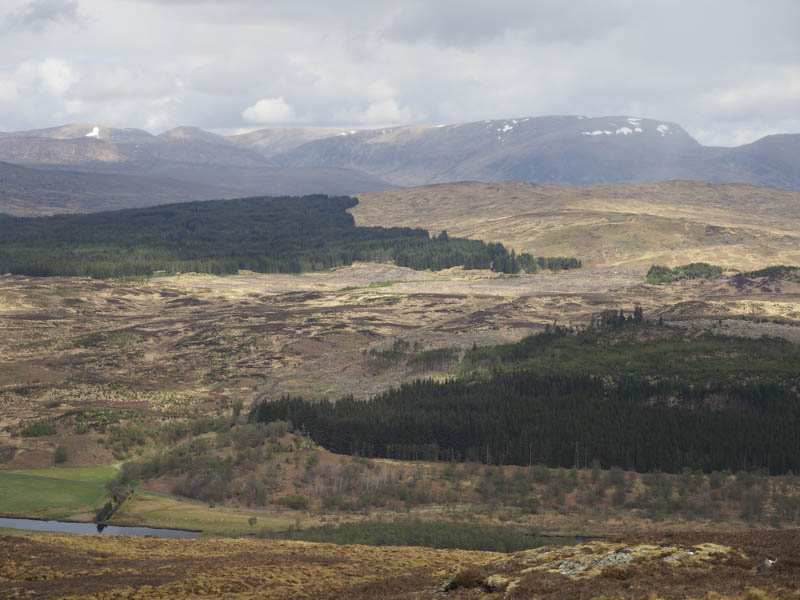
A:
39	14
725	69
469	23
105	82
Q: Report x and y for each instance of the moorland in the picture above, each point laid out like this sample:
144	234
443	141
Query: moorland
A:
560	432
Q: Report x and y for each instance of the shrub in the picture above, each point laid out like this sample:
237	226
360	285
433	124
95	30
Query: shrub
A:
209	487
39	429
129	474
540	474
618	497
104	513
529	505
7	452
294	502
432	534
616	477
661	274
312	461
61	455
124	437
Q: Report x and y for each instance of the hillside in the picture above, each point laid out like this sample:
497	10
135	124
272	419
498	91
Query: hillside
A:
194	160
695	565
563	150
37	192
673	222
262	234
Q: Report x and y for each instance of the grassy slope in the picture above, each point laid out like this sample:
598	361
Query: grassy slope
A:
75	492
99	474
23	495
670	223
158	511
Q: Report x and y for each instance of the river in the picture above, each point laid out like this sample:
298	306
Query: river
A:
93	528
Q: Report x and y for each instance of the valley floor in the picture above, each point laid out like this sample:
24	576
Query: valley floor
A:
112	371
194	344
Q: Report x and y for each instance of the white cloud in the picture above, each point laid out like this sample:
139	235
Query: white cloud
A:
777	90
269	110
56	75
380	90
108	82
75	107
350	64
156	121
386	112
8	90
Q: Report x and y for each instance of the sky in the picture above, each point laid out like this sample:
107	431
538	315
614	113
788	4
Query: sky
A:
728	71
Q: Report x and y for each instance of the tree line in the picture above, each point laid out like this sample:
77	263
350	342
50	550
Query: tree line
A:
523	409
265	235
660	274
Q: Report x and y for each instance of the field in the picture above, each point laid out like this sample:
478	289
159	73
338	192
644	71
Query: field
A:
158	511
43	498
74	493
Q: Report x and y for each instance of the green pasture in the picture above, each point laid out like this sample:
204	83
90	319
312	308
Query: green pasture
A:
53	492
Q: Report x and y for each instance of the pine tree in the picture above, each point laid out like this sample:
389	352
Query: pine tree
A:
638	314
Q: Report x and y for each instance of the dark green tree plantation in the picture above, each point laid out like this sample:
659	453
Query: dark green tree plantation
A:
265	235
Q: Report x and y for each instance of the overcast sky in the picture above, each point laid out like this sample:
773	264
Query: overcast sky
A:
727	70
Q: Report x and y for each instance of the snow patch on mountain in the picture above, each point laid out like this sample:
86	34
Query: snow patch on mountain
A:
94	133
634	122
620	131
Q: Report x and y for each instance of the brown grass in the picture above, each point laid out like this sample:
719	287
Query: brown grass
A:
185	346
681	565
675	222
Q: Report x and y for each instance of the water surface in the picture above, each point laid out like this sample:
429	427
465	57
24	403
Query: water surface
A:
93	528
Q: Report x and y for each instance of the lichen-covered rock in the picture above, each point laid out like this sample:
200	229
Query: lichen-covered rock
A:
495	583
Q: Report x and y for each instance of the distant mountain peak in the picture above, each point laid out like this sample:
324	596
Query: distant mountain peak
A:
188	132
557	149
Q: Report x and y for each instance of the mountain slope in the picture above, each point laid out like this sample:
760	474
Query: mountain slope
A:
270	142
185	154
35	192
565	150
562	150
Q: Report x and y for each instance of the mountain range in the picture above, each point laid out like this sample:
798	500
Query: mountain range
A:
140	168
